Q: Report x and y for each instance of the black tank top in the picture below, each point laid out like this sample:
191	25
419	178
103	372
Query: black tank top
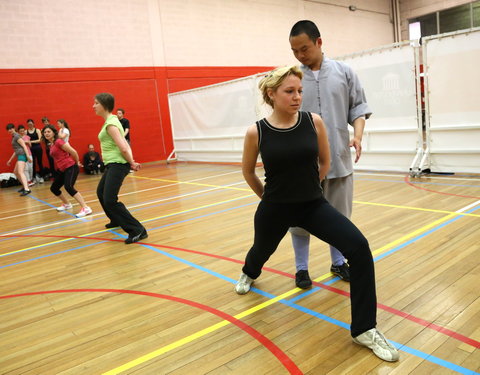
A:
290	159
33	137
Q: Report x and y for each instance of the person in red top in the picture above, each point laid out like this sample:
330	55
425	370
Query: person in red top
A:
67	167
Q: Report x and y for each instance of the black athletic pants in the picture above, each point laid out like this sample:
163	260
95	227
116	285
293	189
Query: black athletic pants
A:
107	193
67	179
37	154
318	217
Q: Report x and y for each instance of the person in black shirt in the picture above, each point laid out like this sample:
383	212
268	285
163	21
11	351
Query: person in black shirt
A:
92	161
125	123
295	154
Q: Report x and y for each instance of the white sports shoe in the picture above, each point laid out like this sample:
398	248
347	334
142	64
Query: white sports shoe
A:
84	212
243	284
374	340
64	207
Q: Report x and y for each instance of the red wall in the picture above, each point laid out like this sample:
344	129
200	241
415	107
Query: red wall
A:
68	94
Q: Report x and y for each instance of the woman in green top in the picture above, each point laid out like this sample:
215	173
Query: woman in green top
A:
118	159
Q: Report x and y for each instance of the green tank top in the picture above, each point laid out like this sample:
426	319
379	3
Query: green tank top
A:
110	151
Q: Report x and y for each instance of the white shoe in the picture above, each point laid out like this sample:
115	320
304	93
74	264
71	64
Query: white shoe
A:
374	340
64	207
243	284
84	212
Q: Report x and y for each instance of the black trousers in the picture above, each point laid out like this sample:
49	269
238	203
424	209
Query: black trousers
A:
51	163
37	154
107	193
67	179
318	217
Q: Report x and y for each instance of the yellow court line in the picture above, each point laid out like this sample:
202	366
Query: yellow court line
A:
415	208
250	311
48	244
241	197
357	202
193	183
197	335
143	221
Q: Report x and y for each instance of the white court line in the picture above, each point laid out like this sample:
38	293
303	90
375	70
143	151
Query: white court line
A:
420	179
179	196
122	195
468	207
130	207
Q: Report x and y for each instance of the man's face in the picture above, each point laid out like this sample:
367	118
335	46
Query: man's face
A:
91	148
120	114
306	51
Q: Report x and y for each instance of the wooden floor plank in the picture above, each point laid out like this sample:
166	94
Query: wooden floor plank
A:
200	223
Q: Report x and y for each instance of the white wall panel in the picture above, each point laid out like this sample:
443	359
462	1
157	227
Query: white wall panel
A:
203	130
70	33
391	135
453	110
228	32
123	33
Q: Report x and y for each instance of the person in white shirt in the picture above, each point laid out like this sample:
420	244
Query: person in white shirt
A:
63	130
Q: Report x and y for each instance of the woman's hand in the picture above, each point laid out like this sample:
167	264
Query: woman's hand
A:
135	166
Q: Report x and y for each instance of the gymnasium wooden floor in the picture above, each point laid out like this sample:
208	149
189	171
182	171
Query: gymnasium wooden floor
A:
74	299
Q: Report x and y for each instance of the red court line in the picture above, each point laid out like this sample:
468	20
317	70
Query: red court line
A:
394	311
275	350
420	321
407	181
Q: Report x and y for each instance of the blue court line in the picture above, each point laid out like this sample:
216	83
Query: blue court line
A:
290	303
436	360
160	227
434	229
200	193
48	255
412	351
389	252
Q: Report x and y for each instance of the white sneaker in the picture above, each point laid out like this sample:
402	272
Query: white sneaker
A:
374	340
243	284
64	207
84	212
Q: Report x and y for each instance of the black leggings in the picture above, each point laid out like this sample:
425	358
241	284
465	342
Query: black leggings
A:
107	193
318	217
66	178
37	154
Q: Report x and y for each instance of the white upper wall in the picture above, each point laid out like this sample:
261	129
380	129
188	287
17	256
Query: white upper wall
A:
129	33
71	33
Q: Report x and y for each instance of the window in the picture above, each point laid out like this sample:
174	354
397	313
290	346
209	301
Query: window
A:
458	18
476	13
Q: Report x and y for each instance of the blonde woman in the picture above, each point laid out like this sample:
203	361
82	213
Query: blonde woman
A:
295	154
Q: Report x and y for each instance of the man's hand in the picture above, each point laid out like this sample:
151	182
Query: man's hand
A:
357	144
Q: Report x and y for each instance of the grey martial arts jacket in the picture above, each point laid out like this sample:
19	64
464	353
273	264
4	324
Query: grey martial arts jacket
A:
339	99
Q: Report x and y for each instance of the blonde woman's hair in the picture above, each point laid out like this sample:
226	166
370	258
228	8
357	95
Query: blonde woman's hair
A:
274	79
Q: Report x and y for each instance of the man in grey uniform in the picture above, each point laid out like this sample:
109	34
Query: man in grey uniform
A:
333	90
